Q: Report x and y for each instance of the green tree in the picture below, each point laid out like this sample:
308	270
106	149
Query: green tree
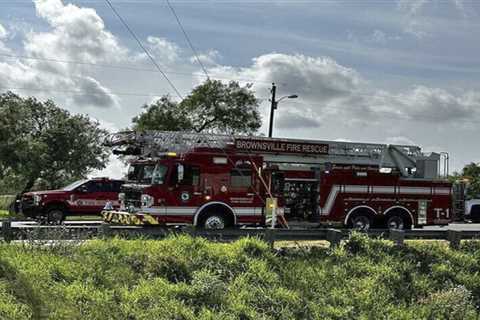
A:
212	106
164	114
471	172
40	141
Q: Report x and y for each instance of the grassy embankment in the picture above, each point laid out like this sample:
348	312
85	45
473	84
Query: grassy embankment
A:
5	201
185	278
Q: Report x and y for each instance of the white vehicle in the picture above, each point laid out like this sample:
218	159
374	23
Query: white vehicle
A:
472	210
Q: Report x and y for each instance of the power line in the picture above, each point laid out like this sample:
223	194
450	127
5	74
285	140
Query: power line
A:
100	65
82	92
187	38
133	68
144	49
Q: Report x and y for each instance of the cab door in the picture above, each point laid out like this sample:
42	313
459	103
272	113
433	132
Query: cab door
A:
186	194
90	198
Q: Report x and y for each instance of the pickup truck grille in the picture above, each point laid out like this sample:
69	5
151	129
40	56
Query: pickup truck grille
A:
27	201
133	198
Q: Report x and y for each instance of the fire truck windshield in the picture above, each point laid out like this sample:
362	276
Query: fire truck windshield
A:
147	173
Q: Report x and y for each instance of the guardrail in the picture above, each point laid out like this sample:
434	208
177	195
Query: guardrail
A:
334	236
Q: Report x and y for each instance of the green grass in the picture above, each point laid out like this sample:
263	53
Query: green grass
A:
4	214
185	278
5	201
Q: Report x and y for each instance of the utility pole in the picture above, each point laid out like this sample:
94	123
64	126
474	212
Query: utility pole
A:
272	109
275	105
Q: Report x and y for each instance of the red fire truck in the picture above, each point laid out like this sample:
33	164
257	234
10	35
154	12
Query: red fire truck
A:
219	181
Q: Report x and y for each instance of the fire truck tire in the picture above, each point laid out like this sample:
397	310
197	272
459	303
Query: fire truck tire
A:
360	221
55	215
398	220
214	221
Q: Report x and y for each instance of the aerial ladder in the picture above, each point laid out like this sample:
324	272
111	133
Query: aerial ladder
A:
409	160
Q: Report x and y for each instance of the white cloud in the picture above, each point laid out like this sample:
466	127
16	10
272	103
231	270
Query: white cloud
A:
297	119
328	89
208	59
416	19
76	34
108	125
412	7
309	77
379	36
98	95
401	140
3	35
165	52
3	32
115	169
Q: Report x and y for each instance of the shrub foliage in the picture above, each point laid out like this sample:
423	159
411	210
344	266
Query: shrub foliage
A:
186	278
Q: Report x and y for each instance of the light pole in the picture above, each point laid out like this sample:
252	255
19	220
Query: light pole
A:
274	105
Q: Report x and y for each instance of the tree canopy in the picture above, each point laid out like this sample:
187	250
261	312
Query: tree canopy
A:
40	141
471	172
212	106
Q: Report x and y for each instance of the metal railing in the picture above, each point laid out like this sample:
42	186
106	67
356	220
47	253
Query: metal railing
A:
334	236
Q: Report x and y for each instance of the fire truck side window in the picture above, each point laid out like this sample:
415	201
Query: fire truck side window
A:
241	176
191	175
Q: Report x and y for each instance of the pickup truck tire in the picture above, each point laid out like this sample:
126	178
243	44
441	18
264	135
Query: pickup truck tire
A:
55	215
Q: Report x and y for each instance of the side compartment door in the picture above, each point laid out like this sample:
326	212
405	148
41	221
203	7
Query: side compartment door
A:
243	193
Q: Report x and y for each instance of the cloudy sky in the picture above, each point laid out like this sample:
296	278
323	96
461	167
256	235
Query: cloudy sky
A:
393	71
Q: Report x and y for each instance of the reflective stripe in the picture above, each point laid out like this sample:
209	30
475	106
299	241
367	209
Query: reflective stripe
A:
185	211
248	211
377	190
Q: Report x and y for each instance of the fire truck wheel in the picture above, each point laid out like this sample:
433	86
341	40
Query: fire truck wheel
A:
214	221
395	223
55	216
398	222
360	222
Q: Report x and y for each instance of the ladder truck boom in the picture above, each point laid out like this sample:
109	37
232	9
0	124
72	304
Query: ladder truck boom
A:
409	160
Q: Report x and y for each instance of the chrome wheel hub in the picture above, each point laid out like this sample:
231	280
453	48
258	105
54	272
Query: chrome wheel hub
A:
395	223
361	223
214	222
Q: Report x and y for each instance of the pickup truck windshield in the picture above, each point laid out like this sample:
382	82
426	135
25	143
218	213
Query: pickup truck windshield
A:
72	186
147	173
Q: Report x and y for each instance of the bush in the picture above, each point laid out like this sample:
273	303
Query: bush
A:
6	201
191	278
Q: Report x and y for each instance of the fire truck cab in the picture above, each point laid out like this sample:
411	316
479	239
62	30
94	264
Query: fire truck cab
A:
214	182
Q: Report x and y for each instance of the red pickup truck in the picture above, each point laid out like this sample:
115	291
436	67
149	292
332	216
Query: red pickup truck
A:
83	197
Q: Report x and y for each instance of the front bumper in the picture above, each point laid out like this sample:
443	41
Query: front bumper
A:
127	218
29	209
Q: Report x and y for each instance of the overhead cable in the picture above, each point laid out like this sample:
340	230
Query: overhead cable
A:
125	67
81	92
188	39
144	49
